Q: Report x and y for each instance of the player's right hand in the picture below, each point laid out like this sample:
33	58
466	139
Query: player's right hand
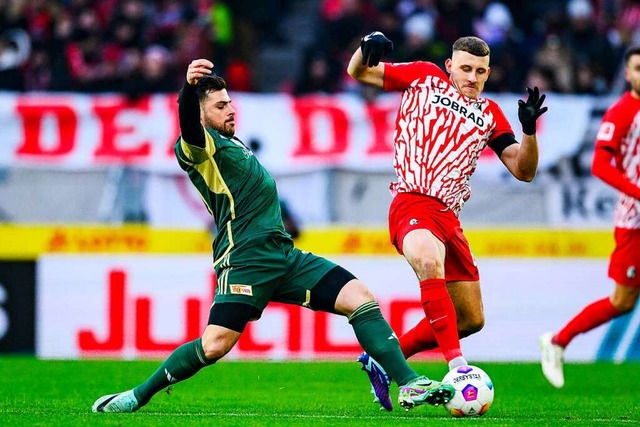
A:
374	46
198	69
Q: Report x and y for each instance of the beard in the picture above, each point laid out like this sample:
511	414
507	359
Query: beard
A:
227	129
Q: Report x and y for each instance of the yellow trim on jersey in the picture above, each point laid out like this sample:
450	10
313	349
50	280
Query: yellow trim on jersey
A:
208	169
231	245
307	299
223	280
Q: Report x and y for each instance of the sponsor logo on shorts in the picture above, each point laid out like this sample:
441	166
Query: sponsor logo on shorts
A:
631	272
241	289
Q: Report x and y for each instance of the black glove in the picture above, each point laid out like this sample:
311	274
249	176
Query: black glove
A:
373	46
528	112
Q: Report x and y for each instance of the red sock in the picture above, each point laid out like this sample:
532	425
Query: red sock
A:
592	316
419	338
441	313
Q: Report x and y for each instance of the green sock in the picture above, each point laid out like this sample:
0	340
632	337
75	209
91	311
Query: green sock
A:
183	363
377	338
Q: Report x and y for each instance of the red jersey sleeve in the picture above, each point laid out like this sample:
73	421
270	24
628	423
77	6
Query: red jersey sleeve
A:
398	77
615	125
502	124
604	169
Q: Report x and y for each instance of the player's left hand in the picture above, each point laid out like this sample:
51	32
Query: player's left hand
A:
374	46
528	112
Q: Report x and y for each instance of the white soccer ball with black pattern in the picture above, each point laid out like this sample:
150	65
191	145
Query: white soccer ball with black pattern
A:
474	391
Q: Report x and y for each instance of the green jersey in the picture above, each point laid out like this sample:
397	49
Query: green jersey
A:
237	190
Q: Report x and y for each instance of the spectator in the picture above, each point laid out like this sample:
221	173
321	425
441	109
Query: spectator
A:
508	63
589	47
556	57
320	73
153	74
420	41
15	47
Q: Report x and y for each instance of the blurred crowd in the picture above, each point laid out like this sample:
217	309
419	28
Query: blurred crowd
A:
131	46
564	46
144	46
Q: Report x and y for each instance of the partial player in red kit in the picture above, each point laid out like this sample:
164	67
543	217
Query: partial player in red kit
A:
442	126
617	162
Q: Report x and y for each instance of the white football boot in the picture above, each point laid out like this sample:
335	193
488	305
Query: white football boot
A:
552	360
119	402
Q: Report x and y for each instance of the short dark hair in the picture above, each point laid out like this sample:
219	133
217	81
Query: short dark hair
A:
473	45
206	85
633	50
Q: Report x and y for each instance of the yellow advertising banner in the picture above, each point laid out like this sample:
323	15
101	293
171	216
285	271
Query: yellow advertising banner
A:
29	241
489	242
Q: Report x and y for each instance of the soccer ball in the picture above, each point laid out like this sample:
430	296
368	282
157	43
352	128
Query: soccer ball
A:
474	391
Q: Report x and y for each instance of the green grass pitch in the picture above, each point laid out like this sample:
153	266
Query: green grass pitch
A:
60	393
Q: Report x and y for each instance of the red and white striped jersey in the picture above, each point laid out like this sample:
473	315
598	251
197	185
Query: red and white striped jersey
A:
439	132
620	132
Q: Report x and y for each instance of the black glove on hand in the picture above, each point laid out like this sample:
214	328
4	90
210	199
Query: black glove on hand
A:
373	46
528	112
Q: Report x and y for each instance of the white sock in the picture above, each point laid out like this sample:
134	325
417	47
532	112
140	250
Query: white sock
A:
457	361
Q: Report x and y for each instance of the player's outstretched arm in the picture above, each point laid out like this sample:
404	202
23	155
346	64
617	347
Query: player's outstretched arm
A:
365	65
522	159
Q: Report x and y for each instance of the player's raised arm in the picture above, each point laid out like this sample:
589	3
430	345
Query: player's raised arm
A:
365	65
522	159
189	105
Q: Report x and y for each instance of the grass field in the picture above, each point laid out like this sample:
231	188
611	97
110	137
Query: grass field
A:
60	393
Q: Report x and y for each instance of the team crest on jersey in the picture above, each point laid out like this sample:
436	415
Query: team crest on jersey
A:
241	290
631	272
413	221
245	150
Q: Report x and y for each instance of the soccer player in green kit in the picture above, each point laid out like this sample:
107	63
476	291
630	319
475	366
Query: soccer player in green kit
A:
254	258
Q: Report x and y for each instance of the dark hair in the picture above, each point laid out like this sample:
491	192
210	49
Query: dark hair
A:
633	50
473	45
207	84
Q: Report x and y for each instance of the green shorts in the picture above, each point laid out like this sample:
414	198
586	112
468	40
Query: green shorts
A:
257	274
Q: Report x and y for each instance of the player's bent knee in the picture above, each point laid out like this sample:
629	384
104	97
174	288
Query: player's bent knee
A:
470	326
426	267
218	341
353	295
215	351
226	323
624	306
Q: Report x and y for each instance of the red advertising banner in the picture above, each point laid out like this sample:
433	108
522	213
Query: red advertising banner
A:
116	306
295	133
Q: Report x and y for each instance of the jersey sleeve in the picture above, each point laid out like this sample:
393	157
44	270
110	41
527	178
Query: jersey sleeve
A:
502	125
192	153
399	76
614	126
603	168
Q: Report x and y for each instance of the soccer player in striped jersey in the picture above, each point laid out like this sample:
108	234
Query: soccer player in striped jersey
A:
255	259
442	126
616	161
